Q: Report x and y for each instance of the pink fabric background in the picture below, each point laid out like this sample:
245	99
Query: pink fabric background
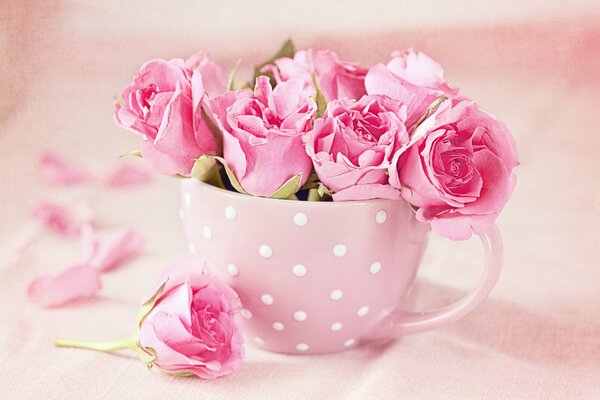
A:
533	64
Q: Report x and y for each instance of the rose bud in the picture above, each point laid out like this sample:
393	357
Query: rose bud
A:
188	325
457	169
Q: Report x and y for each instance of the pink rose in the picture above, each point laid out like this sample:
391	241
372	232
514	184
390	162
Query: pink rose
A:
191	323
352	146
413	78
336	78
163	105
457	170
262	133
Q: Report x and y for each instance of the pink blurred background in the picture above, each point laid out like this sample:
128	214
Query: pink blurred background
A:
533	64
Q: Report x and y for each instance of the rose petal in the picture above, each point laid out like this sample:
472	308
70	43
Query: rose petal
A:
115	250
56	218
128	175
56	171
74	283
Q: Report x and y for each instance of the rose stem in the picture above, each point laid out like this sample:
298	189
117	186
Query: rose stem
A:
129	342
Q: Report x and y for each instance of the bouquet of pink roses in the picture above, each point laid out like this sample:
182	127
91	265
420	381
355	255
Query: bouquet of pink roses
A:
310	126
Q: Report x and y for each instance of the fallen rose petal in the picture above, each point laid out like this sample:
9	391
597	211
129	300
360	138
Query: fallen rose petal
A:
56	218
74	283
128	175
56	171
114	250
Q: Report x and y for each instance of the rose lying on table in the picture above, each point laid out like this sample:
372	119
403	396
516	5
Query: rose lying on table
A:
188	325
310	126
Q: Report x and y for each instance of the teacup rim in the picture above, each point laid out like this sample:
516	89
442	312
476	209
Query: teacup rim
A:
324	204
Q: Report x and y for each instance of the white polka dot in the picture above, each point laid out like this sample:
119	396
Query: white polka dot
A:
207	233
230	213
265	251
302	347
300	316
381	216
336	326
192	249
233	270
267	299
181	214
246	313
339	250
300	219
375	268
259	341
299	270
349	342
361	312
278	326
187	199
336	294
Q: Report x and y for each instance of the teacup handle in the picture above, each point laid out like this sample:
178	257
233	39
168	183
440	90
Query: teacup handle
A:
400	322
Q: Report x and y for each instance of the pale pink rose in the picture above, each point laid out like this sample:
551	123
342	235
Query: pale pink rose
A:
163	105
193	323
336	78
457	169
353	144
411	77
262	133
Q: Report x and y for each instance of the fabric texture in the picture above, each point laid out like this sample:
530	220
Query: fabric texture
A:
533	64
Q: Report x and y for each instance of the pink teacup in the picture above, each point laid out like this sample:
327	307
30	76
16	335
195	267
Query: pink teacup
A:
320	277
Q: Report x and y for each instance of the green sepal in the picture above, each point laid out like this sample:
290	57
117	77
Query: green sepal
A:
202	167
147	355
431	108
148	305
119	100
288	189
319	98
132	153
183	374
323	190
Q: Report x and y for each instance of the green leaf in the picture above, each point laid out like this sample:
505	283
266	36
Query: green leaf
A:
286	50
319	98
288	189
231	80
132	153
147	306
431	108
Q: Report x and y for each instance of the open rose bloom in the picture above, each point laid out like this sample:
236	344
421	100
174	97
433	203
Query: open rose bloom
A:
311	126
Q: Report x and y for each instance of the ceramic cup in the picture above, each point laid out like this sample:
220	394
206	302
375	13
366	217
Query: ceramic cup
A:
320	277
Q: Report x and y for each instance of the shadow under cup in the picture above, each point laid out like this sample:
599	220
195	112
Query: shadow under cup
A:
313	277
